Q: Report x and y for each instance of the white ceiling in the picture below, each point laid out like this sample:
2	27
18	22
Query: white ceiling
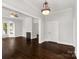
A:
53	4
6	14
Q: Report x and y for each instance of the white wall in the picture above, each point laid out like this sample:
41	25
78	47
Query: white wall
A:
59	28
27	25
75	33
42	29
18	28
51	31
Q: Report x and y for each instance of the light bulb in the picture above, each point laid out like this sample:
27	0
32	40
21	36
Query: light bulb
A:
12	16
45	12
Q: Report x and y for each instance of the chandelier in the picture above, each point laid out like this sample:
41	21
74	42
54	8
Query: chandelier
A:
46	9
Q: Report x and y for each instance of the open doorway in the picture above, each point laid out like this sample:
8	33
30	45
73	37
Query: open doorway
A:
35	28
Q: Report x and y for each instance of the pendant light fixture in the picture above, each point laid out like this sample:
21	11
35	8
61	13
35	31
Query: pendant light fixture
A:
46	9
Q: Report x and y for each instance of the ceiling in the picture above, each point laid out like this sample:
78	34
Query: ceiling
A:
53	4
6	14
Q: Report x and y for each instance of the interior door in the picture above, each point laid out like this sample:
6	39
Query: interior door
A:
52	31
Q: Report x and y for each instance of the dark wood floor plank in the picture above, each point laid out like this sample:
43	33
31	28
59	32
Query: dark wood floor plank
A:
17	48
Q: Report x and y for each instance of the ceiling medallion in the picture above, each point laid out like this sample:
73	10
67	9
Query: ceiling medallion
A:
46	9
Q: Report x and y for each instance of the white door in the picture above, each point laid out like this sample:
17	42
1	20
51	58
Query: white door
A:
52	31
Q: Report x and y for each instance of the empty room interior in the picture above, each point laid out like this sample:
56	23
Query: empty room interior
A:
39	29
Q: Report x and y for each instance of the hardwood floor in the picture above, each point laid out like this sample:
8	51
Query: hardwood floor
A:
18	48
